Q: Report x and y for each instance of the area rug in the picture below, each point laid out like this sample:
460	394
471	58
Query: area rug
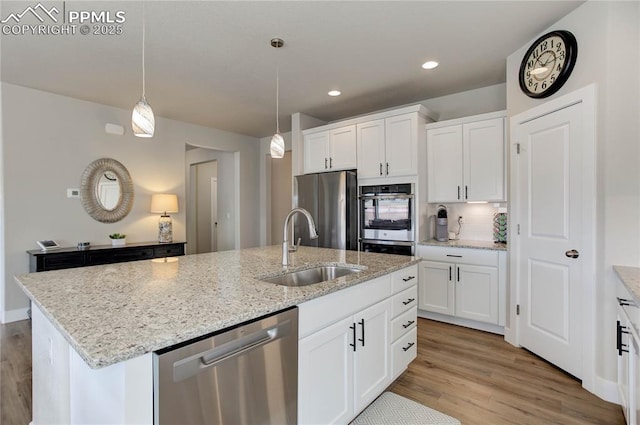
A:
392	409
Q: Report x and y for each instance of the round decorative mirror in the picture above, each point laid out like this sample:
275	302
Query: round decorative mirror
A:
106	190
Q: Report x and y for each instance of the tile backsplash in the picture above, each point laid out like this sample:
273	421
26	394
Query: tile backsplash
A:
478	220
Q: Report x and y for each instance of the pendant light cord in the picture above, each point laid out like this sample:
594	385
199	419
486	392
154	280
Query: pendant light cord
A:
143	38
277	98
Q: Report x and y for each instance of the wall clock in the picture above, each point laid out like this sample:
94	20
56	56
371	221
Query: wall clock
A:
548	63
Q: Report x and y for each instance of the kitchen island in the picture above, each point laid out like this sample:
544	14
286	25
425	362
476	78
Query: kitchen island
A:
94	328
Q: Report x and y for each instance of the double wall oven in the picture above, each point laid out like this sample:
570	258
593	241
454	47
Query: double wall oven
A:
387	219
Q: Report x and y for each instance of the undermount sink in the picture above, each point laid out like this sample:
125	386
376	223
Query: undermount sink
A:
312	275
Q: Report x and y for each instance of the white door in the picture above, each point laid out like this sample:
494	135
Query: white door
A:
550	206
401	145
325	375
477	293
214	214
435	288
342	148
483	157
370	151
372	371
315	152
444	164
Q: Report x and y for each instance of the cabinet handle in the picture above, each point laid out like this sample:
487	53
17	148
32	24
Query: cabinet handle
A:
381	168
330	162
409	323
411	344
325	163
353	328
624	301
450	273
387	168
466	192
408	301
622	348
408	278
458	191
458	273
361	323
456	256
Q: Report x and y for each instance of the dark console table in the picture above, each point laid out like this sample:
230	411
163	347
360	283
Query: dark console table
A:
66	258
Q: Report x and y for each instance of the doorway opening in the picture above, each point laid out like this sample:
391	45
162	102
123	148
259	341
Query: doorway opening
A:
281	192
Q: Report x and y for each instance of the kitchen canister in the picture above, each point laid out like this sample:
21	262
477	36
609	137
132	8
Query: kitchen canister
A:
500	226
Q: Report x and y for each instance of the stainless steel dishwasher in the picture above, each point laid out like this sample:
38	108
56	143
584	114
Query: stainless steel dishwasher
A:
244	375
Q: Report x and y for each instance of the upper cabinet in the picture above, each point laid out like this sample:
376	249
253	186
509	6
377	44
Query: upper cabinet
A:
465	159
330	150
380	145
388	147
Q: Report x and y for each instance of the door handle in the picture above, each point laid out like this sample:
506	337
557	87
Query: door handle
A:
330	162
361	323
353	328
450	273
466	192
572	253
458	191
387	168
381	168
325	163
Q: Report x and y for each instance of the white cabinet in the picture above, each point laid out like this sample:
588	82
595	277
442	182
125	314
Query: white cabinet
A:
465	160
388	147
344	366
353	343
330	150
627	340
461	282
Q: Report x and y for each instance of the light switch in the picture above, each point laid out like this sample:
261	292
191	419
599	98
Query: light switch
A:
73	193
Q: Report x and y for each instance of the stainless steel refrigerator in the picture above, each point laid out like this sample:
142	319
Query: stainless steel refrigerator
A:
332	200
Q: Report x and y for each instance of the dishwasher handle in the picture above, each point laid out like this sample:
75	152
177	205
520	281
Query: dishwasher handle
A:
192	365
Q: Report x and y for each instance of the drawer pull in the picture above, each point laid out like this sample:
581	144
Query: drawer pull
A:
411	344
408	278
409	301
456	256
409	323
623	301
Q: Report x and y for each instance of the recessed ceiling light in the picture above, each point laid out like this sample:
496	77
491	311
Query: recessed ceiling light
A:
430	65
334	93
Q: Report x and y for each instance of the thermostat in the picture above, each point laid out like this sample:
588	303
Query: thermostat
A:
73	193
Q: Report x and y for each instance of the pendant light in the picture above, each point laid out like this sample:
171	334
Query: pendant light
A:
142	119
277	142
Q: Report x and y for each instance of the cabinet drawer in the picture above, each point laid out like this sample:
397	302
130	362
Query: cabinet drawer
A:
481	257
403	351
405	300
60	261
108	257
403	279
168	251
404	323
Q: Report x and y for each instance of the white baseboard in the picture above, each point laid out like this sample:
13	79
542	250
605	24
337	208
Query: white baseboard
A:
9	316
607	390
487	327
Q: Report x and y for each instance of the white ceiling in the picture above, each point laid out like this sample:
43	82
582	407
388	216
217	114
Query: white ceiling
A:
211	62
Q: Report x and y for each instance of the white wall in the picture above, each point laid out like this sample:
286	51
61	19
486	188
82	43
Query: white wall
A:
48	140
467	103
608	38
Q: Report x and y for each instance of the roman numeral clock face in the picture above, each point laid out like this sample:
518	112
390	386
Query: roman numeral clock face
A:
548	63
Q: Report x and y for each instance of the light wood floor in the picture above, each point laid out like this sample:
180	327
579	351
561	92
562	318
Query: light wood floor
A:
471	375
478	378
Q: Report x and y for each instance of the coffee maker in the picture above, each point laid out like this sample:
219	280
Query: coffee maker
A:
442	224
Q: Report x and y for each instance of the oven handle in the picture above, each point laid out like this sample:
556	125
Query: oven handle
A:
399	196
383	242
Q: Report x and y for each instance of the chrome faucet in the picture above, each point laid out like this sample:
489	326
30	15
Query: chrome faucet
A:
285	244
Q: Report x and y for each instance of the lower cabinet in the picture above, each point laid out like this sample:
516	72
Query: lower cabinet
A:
344	365
627	347
463	283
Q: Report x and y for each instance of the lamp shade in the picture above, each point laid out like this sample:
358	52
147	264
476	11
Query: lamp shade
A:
142	120
164	203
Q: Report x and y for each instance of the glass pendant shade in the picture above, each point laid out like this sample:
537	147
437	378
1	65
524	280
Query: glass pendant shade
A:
277	146
142	119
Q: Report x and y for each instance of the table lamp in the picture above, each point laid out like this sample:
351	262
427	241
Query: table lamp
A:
164	203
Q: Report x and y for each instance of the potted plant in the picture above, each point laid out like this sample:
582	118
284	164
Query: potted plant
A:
118	239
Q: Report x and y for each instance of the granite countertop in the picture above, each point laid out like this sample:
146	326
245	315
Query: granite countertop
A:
112	313
461	243
630	277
